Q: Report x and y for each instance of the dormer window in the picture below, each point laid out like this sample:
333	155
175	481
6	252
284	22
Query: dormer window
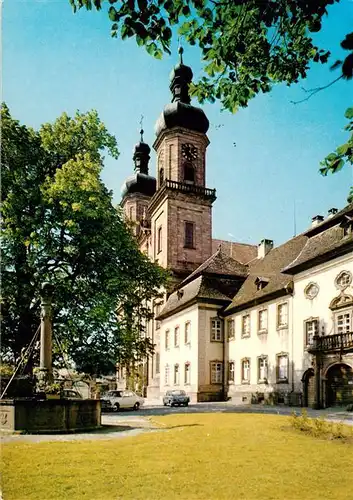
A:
189	173
261	282
347	225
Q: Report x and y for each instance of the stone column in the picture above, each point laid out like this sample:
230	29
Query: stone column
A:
317	375
46	331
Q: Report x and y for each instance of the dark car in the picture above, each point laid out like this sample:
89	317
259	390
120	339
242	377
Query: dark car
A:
71	394
176	398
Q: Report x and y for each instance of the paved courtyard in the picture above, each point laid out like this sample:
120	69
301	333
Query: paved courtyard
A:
131	423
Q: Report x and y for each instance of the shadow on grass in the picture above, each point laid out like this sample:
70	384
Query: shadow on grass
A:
181	426
109	429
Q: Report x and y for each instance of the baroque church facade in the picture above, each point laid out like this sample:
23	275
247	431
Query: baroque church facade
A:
251	323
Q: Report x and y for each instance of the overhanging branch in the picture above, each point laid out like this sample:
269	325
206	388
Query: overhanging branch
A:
312	92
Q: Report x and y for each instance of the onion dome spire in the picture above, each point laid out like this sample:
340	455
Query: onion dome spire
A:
140	182
180	78
180	112
141	154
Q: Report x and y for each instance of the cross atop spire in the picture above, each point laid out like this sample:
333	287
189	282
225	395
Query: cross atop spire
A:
180	51
181	77
141	128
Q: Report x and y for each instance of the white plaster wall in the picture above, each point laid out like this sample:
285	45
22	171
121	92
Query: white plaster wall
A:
324	275
276	341
185	353
208	351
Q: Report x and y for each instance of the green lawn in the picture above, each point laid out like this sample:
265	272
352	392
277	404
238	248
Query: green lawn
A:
200	456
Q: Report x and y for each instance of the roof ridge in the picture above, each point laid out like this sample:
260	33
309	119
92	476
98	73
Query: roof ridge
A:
205	265
236	242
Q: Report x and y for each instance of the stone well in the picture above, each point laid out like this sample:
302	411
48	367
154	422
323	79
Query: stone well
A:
49	416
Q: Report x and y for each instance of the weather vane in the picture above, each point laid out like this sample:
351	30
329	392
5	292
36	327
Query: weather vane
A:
180	50
141	127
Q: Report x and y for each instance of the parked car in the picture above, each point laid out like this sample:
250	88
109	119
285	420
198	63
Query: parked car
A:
176	397
71	394
116	400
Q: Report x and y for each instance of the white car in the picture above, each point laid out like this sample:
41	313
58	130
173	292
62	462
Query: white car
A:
119	399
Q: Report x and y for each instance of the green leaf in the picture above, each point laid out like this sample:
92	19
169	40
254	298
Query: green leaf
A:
349	113
337	165
113	15
142	4
151	48
350	196
336	64
184	28
342	150
347	67
158	54
347	43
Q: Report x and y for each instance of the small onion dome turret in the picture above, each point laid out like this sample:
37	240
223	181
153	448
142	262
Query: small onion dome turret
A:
140	181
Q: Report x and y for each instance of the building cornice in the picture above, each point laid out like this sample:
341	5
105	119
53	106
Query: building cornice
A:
179	131
197	300
255	302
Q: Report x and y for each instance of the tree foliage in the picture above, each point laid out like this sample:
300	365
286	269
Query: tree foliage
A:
247	45
343	154
59	225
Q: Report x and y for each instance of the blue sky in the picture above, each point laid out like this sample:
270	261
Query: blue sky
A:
55	61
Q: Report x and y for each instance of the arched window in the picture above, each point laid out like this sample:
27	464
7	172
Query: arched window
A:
189	173
161	176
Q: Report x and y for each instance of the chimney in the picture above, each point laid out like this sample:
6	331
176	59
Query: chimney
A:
263	248
315	221
332	212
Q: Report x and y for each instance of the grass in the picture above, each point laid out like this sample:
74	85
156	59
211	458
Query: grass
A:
199	456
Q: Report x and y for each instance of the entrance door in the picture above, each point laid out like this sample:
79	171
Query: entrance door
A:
339	385
308	388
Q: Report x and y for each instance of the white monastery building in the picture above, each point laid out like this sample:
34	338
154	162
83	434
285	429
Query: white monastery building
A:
254	323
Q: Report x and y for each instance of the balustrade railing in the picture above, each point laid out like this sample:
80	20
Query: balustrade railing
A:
336	342
190	188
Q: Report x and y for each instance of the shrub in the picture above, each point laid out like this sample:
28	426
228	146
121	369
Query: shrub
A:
318	427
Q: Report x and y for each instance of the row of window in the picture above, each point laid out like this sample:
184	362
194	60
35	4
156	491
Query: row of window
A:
245	368
187	336
216	368
189	236
176	374
343	324
216	324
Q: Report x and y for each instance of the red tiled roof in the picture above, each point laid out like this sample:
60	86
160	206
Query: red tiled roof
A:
242	252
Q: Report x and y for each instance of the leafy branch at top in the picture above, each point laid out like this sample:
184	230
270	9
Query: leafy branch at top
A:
247	45
343	154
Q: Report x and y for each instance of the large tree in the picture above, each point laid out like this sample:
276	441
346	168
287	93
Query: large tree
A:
59	225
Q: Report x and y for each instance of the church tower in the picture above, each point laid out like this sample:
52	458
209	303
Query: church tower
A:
139	188
181	209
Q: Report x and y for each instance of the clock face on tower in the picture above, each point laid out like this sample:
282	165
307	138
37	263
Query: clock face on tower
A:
189	152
